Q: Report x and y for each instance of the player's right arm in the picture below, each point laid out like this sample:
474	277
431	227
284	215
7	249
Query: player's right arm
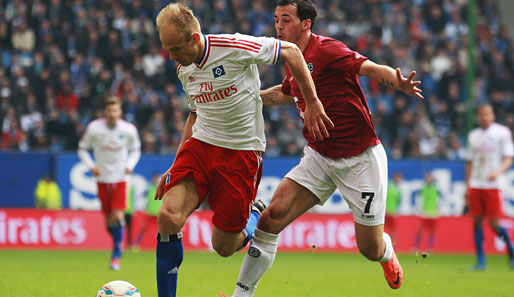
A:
275	96
187	132
392	78
314	116
85	144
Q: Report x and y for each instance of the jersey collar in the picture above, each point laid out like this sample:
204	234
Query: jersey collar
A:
205	54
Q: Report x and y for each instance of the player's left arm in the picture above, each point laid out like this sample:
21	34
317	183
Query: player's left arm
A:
391	78
315	117
275	96
504	166
507	151
134	152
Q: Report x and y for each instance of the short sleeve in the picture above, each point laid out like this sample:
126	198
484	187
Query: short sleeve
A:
286	85
85	142
342	58
469	149
136	142
507	145
191	103
249	49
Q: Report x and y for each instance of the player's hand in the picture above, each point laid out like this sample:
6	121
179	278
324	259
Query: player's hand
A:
128	171
493	176
160	187
95	171
315	119
408	86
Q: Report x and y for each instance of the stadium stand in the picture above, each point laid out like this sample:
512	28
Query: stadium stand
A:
59	59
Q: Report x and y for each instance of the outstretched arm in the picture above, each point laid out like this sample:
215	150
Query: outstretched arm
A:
391	78
274	96
315	117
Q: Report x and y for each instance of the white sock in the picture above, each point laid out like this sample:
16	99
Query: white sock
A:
257	261
388	254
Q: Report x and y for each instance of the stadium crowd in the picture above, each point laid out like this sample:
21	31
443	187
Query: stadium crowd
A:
60	59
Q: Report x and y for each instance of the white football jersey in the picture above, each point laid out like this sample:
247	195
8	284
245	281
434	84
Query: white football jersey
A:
486	150
114	150
223	89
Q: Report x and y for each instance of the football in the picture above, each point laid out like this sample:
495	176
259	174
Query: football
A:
118	288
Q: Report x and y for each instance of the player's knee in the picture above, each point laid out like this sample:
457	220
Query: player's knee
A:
169	221
373	251
271	221
372	255
222	249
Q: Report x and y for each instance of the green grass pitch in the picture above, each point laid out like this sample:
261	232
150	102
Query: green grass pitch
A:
203	274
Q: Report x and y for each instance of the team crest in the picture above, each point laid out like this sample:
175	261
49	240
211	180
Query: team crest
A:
218	71
311	67
191	79
254	252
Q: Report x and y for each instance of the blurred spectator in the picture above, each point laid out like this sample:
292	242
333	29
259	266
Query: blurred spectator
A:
455	149
129	212
67	100
394	196
430	196
23	37
151	210
71	55
48	194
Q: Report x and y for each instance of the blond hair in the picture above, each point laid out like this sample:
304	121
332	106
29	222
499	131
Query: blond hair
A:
180	16
111	100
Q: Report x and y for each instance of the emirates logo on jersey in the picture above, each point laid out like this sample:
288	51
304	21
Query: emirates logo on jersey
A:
216	95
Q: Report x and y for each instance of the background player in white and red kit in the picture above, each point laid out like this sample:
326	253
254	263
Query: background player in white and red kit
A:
116	149
489	154
220	153
352	159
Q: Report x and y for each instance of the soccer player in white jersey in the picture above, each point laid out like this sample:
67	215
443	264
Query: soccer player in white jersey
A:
489	154
220	153
116	149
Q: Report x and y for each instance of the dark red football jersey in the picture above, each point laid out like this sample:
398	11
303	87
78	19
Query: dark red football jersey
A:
335	69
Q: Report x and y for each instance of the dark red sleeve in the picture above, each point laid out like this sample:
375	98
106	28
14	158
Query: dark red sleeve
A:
286	85
342	58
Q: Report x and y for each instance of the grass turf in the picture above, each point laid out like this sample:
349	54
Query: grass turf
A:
81	273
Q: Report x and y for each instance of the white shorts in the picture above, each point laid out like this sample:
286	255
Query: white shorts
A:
361	179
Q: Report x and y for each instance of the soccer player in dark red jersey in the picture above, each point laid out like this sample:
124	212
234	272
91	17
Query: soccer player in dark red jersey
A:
351	159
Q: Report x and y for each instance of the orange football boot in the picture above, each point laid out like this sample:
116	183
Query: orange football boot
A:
393	272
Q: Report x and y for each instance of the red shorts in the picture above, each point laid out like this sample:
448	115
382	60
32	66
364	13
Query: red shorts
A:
112	196
230	177
485	202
